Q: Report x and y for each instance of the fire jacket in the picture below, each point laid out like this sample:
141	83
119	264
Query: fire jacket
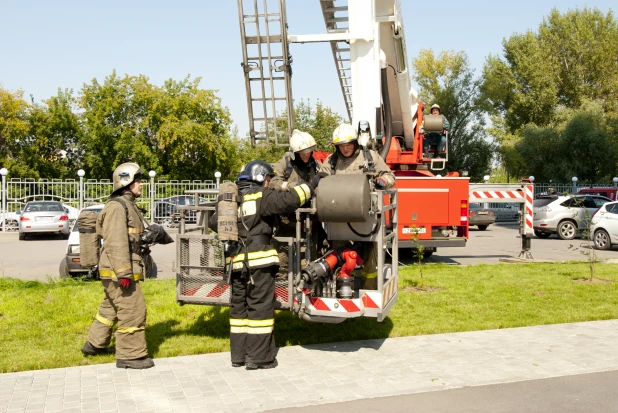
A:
257	216
289	171
337	164
121	231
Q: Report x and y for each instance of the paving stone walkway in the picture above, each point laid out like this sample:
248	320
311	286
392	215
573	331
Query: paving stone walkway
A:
326	373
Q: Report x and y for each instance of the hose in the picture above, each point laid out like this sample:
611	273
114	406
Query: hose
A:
388	121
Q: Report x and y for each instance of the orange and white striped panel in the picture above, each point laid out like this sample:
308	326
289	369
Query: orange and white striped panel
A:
207	290
335	305
496	194
390	289
528	219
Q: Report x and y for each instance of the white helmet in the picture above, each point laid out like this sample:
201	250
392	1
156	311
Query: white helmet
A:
125	174
301	142
344	133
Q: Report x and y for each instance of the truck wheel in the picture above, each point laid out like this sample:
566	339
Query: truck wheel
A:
541	234
602	240
482	227
567	230
63	271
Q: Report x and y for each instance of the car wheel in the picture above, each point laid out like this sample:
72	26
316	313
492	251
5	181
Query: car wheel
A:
22	236
567	230
482	227
601	240
541	234
63	271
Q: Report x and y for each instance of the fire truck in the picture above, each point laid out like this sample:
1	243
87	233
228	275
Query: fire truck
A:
425	209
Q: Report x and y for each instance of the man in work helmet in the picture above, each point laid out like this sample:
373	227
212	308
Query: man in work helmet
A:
121	268
298	165
350	159
437	140
255	266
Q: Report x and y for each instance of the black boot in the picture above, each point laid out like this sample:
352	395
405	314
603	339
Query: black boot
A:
90	350
137	364
255	366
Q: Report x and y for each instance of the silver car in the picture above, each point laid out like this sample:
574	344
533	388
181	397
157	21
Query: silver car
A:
564	215
43	217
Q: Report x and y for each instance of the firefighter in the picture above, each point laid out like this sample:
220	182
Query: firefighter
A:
255	265
121	267
296	167
436	139
351	158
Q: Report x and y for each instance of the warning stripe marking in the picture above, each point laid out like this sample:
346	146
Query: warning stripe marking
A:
497	194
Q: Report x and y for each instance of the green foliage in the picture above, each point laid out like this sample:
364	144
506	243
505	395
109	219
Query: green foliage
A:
448	80
14	128
50	330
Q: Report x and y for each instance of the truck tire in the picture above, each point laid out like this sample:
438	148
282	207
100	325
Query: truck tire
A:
567	230
63	271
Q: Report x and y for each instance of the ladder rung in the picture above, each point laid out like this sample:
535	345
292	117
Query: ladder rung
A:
343	50
261	99
334	9
343	60
263	39
337	19
252	79
265	58
345	77
342	30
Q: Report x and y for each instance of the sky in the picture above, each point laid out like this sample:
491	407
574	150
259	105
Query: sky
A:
47	45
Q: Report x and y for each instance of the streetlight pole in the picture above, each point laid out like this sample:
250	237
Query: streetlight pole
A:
152	175
615	181
574	179
217	177
3	172
81	174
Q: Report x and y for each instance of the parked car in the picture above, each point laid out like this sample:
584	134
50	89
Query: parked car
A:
481	217
71	265
167	213
604	228
40	217
564	215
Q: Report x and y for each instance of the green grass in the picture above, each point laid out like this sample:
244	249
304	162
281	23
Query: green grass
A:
44	325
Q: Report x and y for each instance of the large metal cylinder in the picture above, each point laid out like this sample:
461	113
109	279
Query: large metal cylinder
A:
433	123
343	198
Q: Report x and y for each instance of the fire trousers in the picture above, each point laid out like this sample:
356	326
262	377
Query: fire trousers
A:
128	309
252	317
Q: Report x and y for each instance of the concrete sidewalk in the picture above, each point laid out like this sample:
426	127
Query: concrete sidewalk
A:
318	374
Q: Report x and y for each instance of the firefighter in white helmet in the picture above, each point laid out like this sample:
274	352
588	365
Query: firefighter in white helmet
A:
298	165
349	158
121	267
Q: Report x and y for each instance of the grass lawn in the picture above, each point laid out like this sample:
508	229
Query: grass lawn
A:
44	325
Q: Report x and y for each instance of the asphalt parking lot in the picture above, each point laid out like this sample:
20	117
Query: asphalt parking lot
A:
38	258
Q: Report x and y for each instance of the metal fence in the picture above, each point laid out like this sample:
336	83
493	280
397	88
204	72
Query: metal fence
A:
159	199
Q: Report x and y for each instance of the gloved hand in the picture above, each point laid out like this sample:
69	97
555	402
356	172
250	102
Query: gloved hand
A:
125	283
380	183
314	182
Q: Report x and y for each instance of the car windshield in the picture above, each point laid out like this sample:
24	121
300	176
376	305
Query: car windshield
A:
43	206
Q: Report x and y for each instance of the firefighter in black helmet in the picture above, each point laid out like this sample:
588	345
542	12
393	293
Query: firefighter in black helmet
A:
256	264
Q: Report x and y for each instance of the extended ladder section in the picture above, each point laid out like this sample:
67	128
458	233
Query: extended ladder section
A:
336	21
267	68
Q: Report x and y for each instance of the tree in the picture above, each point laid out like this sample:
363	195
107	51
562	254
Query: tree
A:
13	127
179	130
571	58
448	80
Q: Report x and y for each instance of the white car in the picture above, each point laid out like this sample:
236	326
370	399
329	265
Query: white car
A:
604	228
70	264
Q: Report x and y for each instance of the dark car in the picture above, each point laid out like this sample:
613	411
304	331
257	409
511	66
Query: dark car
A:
481	217
167	213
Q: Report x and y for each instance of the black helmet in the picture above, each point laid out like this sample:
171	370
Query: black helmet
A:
256	171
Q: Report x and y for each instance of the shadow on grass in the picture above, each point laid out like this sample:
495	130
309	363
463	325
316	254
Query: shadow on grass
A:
289	330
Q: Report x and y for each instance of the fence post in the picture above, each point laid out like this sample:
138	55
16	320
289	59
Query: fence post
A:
615	181
81	174
152	175
3	172
574	190
217	177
